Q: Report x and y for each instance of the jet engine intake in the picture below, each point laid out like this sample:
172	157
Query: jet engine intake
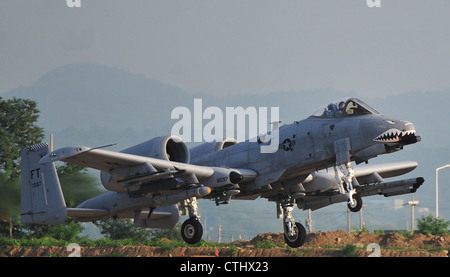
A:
170	148
200	154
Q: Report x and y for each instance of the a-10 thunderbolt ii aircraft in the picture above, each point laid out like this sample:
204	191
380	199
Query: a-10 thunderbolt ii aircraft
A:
155	180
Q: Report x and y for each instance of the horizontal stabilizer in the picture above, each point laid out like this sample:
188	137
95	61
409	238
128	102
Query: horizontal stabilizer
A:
89	214
83	212
154	215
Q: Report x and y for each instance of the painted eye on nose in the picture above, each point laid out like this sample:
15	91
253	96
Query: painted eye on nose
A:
390	122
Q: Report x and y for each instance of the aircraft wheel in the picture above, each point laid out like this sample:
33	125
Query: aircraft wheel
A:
298	239
357	203
192	230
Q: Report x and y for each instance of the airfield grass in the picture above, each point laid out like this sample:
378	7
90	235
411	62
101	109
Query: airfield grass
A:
166	244
106	242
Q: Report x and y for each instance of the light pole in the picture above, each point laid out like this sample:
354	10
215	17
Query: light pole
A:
437	187
413	204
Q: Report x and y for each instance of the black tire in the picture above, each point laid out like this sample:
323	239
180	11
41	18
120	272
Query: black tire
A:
192	230
358	205
298	239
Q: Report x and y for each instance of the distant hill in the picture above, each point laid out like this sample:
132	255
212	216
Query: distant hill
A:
94	105
93	99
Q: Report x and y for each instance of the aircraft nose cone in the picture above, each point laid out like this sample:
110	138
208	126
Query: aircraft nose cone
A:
402	132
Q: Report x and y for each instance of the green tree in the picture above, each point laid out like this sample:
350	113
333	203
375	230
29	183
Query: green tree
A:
67	231
18	129
122	229
172	234
431	225
9	196
9	205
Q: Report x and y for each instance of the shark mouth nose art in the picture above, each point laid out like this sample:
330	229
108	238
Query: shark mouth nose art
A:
395	135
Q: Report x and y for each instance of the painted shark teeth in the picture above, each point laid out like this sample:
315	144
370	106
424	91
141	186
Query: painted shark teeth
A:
394	135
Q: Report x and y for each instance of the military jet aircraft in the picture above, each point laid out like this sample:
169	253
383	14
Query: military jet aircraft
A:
153	182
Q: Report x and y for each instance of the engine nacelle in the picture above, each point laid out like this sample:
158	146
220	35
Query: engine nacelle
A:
200	154
170	148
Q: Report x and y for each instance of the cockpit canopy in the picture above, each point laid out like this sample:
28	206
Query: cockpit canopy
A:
345	108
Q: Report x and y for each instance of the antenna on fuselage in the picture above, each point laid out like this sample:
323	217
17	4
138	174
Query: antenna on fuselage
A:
51	142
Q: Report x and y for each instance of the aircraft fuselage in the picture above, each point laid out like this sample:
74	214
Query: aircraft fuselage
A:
309	145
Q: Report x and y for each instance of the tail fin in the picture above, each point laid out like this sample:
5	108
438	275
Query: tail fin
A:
42	201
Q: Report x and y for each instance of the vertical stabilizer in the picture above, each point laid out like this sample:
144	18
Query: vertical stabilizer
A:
42	201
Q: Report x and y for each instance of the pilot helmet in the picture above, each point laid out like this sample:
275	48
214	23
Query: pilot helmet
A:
332	107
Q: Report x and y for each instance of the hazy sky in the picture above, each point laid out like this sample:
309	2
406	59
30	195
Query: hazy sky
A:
235	46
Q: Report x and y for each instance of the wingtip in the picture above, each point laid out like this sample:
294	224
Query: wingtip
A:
62	153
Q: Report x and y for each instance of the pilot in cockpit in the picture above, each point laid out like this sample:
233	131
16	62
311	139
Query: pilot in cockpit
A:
341	109
331	110
334	110
346	108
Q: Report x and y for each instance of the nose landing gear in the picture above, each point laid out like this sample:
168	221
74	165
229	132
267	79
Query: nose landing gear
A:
356	204
346	175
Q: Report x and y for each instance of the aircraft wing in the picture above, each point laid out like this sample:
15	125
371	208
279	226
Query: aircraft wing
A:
386	188
128	169
367	174
322	189
105	160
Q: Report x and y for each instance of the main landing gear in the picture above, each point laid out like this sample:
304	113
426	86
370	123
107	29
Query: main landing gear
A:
294	232
192	230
